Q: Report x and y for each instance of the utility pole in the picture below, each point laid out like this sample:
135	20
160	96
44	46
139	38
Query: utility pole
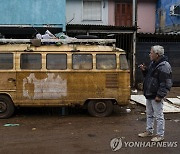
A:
134	41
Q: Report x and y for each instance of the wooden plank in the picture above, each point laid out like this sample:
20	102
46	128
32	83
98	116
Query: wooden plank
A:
168	108
175	101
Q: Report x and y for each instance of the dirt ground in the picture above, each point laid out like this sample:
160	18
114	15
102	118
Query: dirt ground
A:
46	131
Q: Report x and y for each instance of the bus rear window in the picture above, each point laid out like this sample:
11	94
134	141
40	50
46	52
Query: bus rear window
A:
56	61
123	62
106	61
31	61
82	61
6	61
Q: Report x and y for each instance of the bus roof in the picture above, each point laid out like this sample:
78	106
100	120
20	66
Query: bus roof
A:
63	41
48	47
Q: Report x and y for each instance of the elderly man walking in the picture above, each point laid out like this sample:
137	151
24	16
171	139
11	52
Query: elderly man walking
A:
157	83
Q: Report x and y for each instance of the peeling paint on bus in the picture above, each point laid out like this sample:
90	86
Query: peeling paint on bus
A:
51	87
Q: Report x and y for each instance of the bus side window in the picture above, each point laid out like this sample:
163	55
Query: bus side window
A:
6	61
123	62
82	61
106	61
31	61
56	61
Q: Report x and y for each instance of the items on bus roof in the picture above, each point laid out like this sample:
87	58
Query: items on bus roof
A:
47	35
60	36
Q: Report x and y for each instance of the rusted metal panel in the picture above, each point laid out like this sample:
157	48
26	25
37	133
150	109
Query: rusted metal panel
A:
8	81
70	87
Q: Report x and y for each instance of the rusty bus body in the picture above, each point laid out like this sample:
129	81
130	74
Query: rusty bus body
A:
95	76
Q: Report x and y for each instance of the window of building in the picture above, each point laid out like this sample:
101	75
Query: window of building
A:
92	10
106	61
175	10
6	61
82	61
56	61
31	61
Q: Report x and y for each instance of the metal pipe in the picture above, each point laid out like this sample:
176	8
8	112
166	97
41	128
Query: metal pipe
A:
134	42
71	40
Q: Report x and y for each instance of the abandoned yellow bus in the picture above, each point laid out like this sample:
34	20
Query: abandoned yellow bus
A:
91	75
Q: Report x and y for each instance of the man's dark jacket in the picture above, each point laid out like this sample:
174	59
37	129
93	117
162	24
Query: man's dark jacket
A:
158	79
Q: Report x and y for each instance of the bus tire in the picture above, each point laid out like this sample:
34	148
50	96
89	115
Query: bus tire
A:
100	108
6	107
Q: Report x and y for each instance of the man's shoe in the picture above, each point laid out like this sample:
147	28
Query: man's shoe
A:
145	134
157	139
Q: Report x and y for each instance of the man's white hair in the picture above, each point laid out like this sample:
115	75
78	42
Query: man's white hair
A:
158	49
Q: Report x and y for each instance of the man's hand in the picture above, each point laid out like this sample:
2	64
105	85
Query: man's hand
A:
142	67
157	99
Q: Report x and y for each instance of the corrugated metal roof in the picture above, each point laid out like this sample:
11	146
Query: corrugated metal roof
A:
100	27
159	34
158	37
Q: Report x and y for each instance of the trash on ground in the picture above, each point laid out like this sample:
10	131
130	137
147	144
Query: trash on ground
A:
10	125
142	113
176	120
128	110
33	128
132	102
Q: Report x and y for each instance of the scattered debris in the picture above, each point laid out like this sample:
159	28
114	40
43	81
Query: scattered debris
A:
175	101
47	35
132	102
168	108
142	113
10	125
128	110
60	36
176	120
33	129
116	130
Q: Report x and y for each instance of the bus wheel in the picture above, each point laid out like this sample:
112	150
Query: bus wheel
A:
100	108
6	107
